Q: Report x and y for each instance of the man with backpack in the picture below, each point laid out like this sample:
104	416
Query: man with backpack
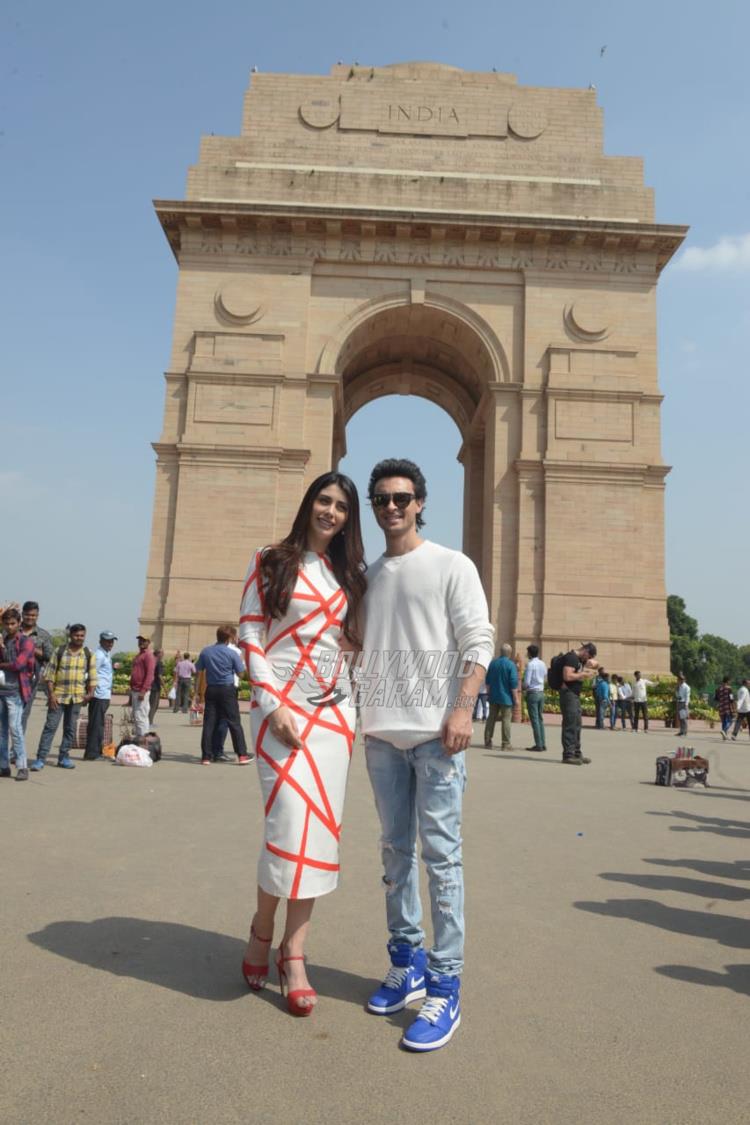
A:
566	674
70	679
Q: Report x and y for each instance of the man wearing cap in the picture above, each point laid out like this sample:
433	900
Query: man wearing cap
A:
141	679
100	700
578	665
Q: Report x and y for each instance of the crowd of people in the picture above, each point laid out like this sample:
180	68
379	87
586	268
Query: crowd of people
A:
328	642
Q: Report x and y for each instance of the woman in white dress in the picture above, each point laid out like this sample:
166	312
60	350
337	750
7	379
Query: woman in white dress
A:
299	607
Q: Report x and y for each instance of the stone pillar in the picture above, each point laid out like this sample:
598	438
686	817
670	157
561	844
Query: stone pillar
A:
500	551
471	457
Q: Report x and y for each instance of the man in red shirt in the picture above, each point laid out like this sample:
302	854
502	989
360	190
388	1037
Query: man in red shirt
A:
141	679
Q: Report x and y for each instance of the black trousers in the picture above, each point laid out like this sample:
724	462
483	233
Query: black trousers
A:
640	709
95	730
222	703
570	709
153	702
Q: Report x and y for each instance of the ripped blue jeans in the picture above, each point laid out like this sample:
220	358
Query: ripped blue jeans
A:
421	790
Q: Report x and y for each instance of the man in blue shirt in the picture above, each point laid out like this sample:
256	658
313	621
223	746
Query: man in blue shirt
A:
220	663
99	702
502	680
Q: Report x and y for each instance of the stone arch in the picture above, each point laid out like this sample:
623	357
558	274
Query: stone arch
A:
329	362
438	349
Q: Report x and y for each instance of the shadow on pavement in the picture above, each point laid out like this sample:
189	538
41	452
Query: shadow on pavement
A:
502	755
736	977
739	869
199	963
722	928
716	824
685	886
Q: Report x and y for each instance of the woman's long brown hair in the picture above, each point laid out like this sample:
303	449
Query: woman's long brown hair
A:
281	562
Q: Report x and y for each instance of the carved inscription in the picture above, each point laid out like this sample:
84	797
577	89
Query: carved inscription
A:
422	114
429	114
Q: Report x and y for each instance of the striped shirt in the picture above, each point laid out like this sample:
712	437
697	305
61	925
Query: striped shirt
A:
70	678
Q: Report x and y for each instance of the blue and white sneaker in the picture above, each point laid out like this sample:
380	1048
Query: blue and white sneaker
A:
439	1017
403	982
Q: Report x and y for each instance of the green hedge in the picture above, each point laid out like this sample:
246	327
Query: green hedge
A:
121	680
661	701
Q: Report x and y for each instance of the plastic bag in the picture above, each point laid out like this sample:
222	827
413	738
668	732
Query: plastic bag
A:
132	755
172	693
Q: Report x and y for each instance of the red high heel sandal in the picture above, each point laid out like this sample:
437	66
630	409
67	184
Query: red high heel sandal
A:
259	972
295	998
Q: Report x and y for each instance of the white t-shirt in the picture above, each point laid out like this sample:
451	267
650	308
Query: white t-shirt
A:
639	689
425	614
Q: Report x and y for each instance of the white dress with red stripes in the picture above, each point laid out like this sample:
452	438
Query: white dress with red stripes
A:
296	661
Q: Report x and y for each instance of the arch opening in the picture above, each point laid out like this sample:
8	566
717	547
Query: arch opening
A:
398	426
431	352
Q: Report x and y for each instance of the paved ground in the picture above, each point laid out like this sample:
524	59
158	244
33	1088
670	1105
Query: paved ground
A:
607	975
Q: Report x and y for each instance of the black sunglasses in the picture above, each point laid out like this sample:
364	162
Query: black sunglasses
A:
402	500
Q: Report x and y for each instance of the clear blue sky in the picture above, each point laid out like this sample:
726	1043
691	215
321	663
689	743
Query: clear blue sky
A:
101	109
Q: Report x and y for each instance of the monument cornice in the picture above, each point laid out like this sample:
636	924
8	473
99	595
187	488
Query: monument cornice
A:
551	233
232	454
573	471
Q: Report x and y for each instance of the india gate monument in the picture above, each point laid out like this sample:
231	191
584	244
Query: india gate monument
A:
418	229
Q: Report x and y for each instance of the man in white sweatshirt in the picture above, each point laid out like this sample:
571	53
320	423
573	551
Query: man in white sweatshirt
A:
427	644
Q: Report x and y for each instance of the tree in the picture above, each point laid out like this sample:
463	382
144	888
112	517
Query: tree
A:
688	657
681	624
722	659
703	659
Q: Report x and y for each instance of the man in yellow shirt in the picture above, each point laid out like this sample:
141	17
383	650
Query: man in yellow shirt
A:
70	679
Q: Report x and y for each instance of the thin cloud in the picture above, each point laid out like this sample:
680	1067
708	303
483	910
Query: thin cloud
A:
730	253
